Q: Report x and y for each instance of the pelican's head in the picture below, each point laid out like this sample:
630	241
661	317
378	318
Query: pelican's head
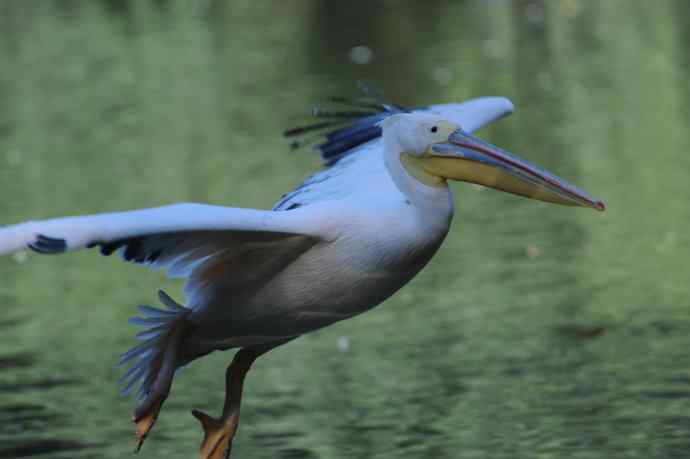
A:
433	149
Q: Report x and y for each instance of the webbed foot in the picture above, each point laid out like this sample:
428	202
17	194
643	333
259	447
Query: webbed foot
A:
218	435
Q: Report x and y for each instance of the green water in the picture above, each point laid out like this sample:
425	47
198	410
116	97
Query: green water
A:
537	332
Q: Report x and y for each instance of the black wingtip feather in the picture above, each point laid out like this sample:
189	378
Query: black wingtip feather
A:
48	245
351	128
360	125
311	127
132	250
331	151
109	248
154	256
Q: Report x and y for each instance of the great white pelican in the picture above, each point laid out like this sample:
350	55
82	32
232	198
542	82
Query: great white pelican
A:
339	244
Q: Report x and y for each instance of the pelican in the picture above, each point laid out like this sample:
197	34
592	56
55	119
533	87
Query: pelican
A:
339	244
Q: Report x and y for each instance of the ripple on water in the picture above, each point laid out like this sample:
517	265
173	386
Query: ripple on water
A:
26	425
20	448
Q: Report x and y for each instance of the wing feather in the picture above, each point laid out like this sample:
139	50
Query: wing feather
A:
205	244
169	225
353	154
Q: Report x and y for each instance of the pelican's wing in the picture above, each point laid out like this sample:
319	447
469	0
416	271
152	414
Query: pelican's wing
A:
190	240
217	250
474	114
115	230
357	128
471	115
354	154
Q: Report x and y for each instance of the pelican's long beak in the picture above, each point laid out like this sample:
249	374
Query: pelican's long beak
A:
470	159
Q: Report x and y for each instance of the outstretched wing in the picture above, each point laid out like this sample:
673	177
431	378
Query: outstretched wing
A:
123	229
189	240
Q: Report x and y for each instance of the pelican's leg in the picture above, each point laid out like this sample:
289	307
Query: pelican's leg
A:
219	433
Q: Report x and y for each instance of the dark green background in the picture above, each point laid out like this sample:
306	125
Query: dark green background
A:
537	332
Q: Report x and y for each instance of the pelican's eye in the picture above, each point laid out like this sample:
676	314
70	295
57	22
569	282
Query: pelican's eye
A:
434	129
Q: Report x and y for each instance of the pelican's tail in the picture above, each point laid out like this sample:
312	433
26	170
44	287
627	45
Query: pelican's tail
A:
147	358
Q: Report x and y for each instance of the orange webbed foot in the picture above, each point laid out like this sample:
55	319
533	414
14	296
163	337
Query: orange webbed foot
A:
218	435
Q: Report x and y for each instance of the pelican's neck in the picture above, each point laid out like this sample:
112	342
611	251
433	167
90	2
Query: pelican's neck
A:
417	193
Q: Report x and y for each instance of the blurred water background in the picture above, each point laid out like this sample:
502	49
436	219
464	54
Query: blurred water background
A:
537	332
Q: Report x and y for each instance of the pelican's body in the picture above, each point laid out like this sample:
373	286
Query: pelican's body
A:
341	243
366	261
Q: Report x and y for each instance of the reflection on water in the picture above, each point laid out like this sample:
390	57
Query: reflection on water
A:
538	331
